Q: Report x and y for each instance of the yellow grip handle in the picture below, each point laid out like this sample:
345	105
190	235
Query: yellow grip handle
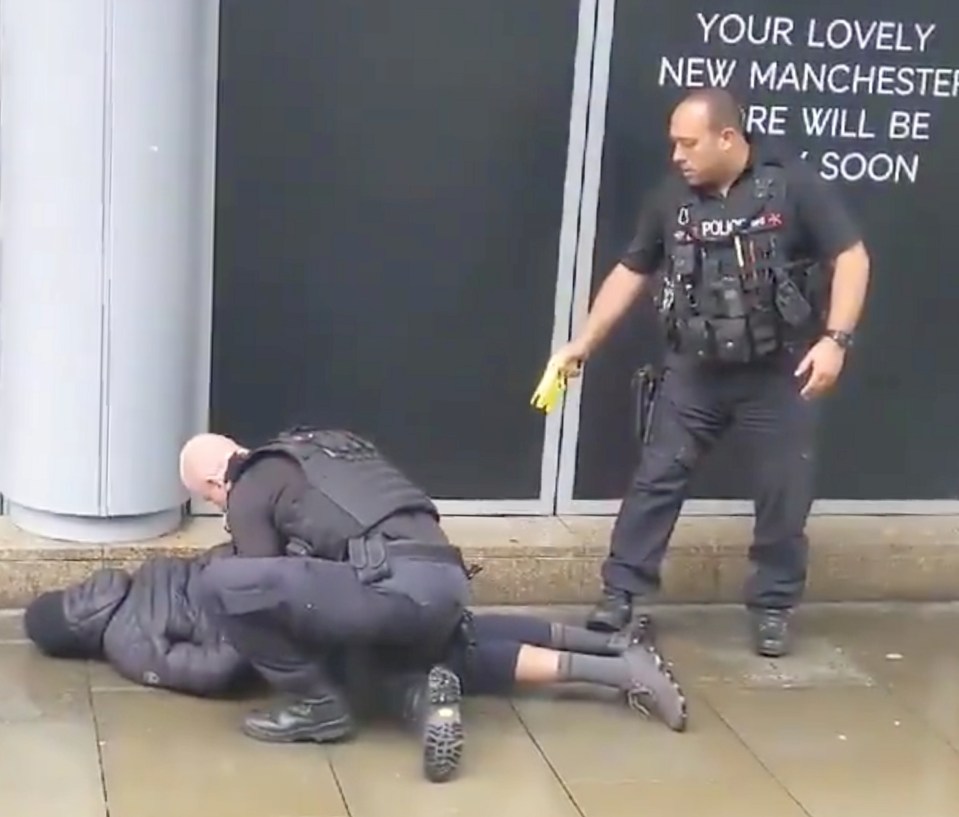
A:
549	390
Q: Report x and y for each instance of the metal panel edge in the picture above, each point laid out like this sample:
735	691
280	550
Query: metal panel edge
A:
568	238
589	207
204	332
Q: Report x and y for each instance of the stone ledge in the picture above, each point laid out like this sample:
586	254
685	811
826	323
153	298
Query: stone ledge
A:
556	560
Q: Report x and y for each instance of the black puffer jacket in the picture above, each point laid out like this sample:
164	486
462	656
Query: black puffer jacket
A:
149	626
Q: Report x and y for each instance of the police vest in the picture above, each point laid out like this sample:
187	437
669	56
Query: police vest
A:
348	471
731	295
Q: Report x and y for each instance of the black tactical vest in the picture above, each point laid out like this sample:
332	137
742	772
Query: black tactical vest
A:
348	471
730	293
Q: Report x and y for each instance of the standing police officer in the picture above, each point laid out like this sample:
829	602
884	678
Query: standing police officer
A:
743	238
343	552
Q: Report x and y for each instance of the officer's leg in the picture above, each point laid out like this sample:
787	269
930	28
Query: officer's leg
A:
264	607
779	427
689	416
425	698
429	701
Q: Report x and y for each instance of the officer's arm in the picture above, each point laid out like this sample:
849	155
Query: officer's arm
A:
629	278
849	286
617	293
838	240
252	504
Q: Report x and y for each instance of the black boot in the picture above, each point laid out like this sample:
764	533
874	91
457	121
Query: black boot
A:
770	632
322	718
433	708
613	613
429	706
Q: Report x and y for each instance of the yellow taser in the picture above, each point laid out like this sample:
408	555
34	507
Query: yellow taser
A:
548	391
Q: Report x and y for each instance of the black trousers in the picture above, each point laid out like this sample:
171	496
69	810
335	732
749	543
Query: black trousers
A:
292	617
696	406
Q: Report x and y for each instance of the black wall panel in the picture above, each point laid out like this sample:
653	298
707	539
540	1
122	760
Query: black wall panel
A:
389	195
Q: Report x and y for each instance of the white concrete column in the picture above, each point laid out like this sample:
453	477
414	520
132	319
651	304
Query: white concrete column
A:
107	139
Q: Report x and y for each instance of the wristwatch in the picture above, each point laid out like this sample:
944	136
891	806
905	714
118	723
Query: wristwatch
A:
842	339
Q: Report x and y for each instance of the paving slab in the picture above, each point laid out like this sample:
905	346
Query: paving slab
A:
504	773
49	762
863	718
164	754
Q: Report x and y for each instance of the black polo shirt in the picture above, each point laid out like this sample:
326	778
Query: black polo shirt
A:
816	223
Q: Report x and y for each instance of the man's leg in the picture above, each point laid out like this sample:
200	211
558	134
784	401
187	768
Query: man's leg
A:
252	605
779	427
492	666
539	632
688	418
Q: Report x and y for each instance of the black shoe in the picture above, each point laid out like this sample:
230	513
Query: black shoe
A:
432	708
322	719
770	632
613	613
653	690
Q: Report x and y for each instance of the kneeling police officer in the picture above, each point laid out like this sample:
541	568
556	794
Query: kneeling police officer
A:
342	552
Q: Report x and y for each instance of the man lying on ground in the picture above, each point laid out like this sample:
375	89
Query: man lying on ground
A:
151	627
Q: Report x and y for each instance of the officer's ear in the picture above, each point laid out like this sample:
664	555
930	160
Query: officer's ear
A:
727	138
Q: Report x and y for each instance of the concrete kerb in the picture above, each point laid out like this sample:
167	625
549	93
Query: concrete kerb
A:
556	560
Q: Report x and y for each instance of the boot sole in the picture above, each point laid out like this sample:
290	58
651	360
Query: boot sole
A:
327	733
443	736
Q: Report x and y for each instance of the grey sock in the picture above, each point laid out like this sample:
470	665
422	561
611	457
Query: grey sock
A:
579	639
610	671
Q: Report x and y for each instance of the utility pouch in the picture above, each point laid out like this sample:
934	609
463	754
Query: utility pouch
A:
790	303
695	338
763	328
732	340
734	305
369	558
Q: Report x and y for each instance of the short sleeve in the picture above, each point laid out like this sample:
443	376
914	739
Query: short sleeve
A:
646	251
823	215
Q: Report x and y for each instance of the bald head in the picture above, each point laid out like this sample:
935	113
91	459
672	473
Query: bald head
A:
203	464
719	108
708	136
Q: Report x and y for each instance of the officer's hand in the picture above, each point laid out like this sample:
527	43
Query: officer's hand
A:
565	363
822	364
568	360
